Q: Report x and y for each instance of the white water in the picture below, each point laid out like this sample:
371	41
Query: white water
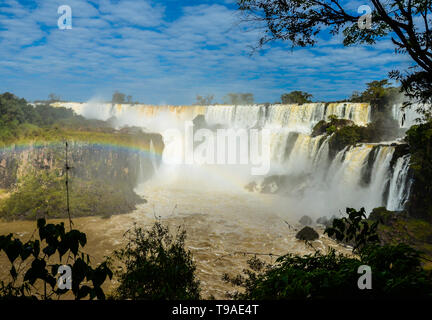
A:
406	117
399	187
326	186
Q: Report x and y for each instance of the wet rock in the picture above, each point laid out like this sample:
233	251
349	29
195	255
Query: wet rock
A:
322	220
252	186
272	184
199	122
306	221
307	233
326	222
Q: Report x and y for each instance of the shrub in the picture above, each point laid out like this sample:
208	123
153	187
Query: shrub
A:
156	266
396	270
33	271
419	138
43	194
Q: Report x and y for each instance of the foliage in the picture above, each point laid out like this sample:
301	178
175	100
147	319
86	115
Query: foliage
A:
297	97
156	266
419	138
239	99
22	121
354	229
53	97
118	97
399	227
33	272
396	270
330	127
42	194
377	93
302	22
345	133
346	136
204	101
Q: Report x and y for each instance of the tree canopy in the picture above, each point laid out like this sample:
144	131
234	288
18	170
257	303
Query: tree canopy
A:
376	92
204	100
239	98
296	97
118	97
407	22
156	266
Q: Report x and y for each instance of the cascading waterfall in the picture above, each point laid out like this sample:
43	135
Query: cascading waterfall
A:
381	175
400	184
296	118
358	175
406	117
345	171
305	156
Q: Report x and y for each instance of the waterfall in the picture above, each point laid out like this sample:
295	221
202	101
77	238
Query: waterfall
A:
305	155
345	170
234	116
298	118
358	176
345	178
380	176
406	117
293	117
400	184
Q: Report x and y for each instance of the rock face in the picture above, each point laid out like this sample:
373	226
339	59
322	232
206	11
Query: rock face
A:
306	221
103	177
307	233
89	161
322	126
322	220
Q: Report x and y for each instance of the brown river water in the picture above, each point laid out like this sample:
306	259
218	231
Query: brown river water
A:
220	227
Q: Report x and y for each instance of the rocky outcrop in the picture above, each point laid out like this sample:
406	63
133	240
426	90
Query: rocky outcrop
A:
307	234
323	127
102	177
87	160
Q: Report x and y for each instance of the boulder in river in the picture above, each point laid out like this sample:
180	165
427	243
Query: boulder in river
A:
307	233
306	221
326	222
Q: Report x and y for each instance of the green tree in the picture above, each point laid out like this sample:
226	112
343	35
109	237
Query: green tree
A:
406	21
297	97
156	266
204	100
378	93
239	99
53	97
118	97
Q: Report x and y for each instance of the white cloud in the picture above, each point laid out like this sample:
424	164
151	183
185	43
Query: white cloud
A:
133	46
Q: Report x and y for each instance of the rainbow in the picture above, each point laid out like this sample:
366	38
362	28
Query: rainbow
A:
144	150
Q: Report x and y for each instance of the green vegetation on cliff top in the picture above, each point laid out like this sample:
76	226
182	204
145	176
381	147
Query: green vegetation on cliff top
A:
101	183
21	123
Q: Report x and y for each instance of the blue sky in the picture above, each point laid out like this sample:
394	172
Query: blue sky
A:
167	52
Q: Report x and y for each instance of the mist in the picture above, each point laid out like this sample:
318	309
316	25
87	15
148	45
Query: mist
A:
302	178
